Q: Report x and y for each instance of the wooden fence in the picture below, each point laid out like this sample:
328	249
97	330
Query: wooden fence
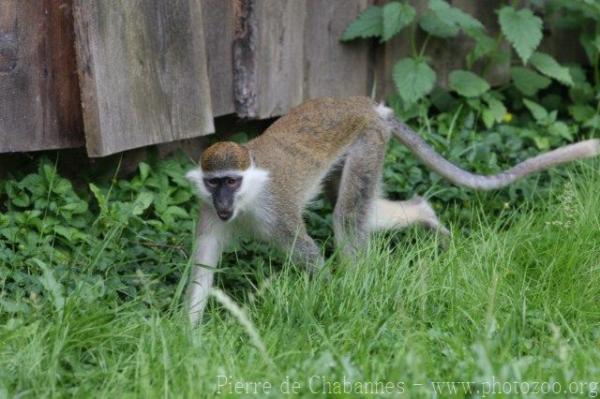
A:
119	74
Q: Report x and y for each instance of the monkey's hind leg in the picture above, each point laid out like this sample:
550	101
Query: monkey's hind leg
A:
359	210
358	189
391	215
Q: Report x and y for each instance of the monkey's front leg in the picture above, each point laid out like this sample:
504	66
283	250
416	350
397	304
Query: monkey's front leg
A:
308	254
206	258
293	238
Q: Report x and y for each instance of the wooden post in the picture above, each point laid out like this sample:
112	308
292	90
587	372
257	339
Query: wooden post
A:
268	56
39	93
332	68
142	67
286	51
218	22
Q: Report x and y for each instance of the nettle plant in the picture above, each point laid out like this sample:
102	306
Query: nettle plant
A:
415	78
583	15
520	116
118	239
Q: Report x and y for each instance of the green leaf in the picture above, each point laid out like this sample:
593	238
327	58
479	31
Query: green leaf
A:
527	81
542	143
368	24
10	233
539	113
75	207
61	186
17	195
581	112
395	17
21	199
10	306
178	212
467	84
593	122
578	74
35	184
560	129
488	118
49	171
549	67
144	170
436	26
484	45
522	29
100	197
454	16
441	99
414	79
69	233
495	112
497	108
53	287
181	196
474	103
582	92
141	203
590	45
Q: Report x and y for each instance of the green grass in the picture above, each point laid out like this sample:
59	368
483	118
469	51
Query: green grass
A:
516	299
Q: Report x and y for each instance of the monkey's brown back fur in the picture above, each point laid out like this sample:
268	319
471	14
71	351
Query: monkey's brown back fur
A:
298	147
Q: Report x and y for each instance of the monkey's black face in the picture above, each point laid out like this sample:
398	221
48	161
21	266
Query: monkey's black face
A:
222	190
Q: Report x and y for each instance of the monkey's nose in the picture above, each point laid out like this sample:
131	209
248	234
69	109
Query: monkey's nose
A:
224	214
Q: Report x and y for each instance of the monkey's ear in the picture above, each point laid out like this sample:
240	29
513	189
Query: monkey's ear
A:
195	176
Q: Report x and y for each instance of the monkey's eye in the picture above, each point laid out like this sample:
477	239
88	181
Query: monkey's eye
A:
212	182
231	182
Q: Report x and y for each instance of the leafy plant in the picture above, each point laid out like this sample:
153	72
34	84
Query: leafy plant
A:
110	240
481	124
51	232
522	29
415	79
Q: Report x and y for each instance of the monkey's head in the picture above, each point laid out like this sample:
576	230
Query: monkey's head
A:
227	178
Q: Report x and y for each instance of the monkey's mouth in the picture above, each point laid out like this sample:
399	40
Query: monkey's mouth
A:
224	215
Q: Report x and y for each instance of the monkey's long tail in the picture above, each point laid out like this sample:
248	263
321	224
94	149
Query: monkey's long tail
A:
568	153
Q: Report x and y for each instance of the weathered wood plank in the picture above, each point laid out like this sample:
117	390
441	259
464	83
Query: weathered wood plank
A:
332	68
218	22
39	93
142	67
244	58
280	55
562	43
268	56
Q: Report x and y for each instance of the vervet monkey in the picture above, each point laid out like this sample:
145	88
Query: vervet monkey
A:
261	188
